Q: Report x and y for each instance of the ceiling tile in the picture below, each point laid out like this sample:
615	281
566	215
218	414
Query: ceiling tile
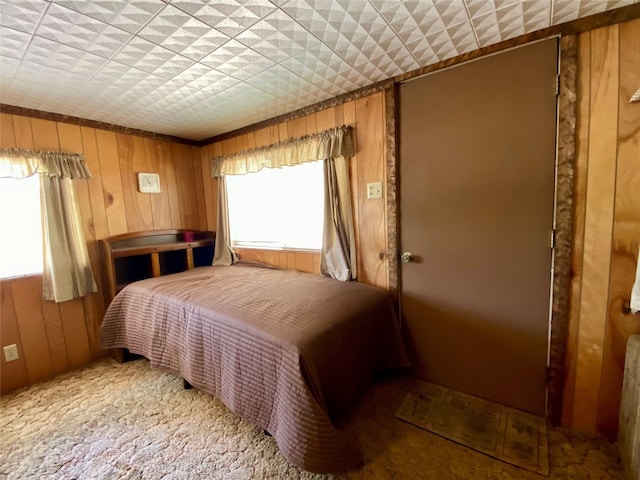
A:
128	15
14	43
81	31
23	15
199	68
178	31
228	16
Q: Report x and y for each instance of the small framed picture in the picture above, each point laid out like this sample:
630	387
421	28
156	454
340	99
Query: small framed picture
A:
149	182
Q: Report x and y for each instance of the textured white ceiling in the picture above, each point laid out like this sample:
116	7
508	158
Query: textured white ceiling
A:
195	69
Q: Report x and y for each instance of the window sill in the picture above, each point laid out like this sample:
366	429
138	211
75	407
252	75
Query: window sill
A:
20	277
277	249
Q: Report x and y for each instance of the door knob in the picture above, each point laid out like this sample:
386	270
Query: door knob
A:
406	257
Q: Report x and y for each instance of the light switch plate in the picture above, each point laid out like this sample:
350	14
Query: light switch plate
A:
374	190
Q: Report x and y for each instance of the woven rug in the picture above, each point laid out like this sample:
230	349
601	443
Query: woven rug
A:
504	433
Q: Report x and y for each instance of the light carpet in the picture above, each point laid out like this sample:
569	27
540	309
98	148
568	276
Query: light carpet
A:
504	433
129	421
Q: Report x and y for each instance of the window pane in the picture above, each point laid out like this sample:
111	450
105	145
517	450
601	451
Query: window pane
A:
278	207
21	228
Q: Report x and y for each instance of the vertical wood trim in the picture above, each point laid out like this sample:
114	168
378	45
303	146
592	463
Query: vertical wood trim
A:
565	166
598	224
189	252
579	211
155	264
391	184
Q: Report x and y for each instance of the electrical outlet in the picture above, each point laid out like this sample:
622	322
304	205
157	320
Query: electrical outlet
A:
374	190
10	352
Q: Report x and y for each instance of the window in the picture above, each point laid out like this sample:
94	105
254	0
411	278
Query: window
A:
21	227
277	207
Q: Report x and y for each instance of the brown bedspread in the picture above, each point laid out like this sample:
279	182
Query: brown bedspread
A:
288	351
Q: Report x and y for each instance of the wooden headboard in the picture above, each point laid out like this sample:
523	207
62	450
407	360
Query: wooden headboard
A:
135	256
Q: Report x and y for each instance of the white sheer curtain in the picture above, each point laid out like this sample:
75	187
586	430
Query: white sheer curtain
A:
67	270
334	147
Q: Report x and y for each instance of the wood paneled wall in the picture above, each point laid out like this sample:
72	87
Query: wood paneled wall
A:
367	116
606	226
53	338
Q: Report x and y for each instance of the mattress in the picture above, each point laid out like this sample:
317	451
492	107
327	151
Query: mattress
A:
288	351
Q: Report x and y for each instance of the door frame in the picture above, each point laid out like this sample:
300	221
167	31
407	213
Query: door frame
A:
563	213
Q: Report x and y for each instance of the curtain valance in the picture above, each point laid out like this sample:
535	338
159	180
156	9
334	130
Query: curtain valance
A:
332	143
22	163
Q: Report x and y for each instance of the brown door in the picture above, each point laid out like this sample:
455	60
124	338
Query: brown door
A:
477	169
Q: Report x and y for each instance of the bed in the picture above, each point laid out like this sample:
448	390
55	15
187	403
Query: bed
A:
288	351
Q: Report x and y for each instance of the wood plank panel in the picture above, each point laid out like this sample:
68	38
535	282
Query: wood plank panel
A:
23	133
198	180
95	230
158	158
63	336
7	138
133	160
326	119
598	225
340	115
33	332
75	332
70	139
304	262
244	141
371	168
55	335
185	185
283	132
263	137
98	224
311	125
14	374
111	182
229	146
210	199
45	135
297	127
626	233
